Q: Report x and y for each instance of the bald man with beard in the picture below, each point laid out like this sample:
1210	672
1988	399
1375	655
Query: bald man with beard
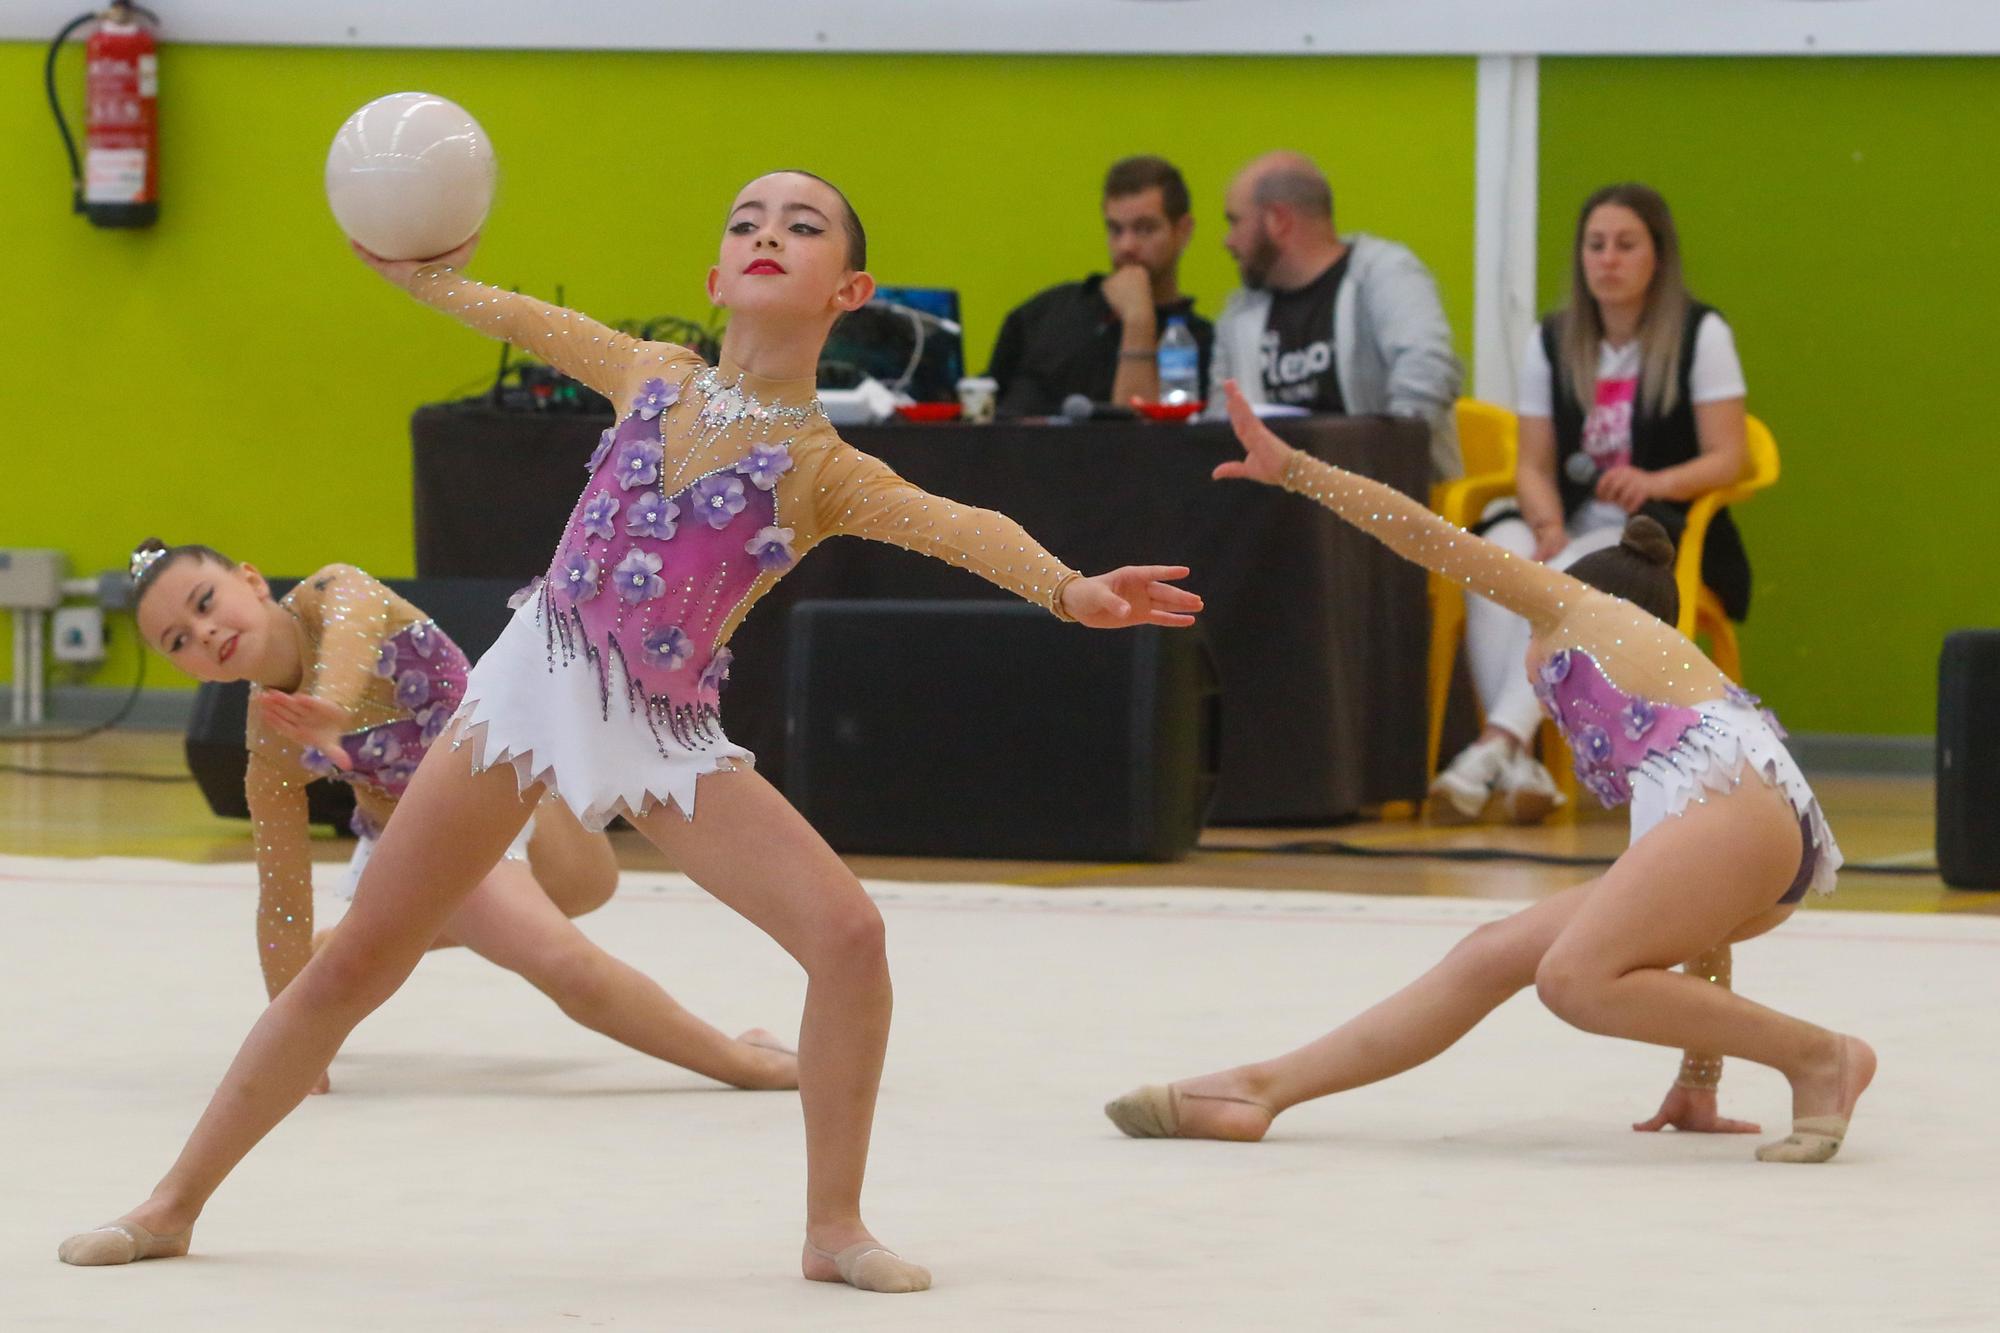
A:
1330	323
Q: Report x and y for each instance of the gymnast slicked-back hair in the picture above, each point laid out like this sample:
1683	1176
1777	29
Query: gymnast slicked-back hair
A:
1640	569
153	557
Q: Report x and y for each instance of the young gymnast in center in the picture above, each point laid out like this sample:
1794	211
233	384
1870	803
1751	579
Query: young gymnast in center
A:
603	691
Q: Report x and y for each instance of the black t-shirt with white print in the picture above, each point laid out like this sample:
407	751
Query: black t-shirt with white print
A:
1297	348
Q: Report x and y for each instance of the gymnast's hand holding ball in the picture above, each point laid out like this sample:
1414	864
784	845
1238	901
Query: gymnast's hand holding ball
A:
410	178
400	271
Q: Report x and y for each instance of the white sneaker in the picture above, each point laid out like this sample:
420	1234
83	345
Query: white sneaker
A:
1527	792
1460	793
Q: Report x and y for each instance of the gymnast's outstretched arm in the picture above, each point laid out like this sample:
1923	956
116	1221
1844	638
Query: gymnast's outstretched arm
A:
1406	526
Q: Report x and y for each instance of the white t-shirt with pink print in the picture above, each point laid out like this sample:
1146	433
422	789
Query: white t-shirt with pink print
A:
1716	376
1607	428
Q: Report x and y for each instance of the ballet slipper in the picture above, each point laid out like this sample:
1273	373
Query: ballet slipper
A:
869	1266
120	1243
1154	1111
760	1040
1151	1112
1814	1138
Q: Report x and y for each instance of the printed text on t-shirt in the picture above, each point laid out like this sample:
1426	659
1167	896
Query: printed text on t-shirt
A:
1607	431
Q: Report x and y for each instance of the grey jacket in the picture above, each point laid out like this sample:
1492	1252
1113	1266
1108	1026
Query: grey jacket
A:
1391	343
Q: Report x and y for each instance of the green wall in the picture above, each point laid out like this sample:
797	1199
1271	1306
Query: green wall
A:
1842	214
233	376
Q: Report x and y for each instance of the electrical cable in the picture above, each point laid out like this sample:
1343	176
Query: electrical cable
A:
100	775
1488	855
124	711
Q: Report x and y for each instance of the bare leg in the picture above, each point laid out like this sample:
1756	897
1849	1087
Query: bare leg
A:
576	868
755	853
1698	877
511	921
413	883
1414	1025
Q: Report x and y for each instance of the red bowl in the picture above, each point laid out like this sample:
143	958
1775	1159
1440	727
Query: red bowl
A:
1167	411
925	412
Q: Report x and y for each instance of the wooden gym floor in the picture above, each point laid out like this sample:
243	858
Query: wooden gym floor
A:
1883	821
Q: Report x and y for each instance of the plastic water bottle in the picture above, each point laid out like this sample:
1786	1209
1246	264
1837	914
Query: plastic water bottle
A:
1180	364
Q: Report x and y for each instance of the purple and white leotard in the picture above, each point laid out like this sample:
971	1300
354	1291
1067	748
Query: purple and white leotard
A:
1659	757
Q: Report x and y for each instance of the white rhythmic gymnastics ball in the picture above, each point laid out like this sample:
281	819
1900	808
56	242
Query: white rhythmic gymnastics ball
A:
410	176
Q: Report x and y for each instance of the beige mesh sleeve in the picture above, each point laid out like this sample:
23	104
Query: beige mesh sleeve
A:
276	792
1698	1071
577	345
352	612
861	496
1412	531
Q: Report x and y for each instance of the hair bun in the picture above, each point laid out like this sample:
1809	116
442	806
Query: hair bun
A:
149	545
1645	538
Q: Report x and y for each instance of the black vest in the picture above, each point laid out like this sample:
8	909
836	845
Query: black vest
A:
1657	442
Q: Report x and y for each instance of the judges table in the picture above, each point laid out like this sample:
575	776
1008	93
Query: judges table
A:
1319	632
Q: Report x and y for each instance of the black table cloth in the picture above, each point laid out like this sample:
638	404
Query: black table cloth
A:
1319	632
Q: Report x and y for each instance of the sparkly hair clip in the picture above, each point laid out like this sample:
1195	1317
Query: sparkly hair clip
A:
143	561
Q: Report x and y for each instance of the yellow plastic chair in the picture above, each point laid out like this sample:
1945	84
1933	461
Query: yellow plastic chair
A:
1701	609
1489	439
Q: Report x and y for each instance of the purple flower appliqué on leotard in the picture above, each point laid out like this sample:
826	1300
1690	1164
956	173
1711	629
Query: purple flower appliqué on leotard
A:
765	465
413	690
599	513
604	443
1610	789
715	673
1593	745
1556	670
380	748
772	547
653	516
315	762
638	464
385	660
1638	718
397	774
638	577
579	574
717	499
655	397
433	720
422	639
362	824
667	649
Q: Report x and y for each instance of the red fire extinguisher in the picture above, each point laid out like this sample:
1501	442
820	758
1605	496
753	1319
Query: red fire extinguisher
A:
117	184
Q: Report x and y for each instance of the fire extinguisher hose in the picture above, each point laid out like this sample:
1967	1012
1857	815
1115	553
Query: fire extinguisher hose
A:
55	104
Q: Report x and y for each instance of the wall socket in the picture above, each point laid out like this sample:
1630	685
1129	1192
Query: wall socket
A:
78	634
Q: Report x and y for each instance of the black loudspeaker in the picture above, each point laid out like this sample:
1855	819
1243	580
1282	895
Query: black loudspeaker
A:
1968	760
471	611
991	729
